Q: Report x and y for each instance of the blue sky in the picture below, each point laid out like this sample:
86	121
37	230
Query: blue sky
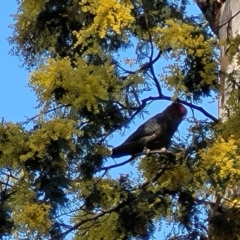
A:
17	101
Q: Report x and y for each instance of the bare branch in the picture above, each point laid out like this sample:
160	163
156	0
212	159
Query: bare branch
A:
133	157
48	111
200	109
116	165
143	186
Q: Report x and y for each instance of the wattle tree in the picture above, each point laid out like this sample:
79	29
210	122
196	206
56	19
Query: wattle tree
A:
95	67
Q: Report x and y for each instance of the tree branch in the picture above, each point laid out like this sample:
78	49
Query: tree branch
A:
133	157
200	109
48	111
143	186
162	97
116	165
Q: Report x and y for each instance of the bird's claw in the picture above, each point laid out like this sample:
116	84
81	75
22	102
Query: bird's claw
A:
163	149
146	150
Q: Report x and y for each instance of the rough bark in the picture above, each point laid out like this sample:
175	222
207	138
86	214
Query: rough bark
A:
224	19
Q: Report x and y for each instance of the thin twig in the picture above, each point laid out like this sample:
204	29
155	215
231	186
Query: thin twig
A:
48	111
200	109
133	157
112	209
116	165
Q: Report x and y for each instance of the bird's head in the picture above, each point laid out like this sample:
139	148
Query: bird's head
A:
176	110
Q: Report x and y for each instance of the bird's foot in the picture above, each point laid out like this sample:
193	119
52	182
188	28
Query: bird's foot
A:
164	150
146	150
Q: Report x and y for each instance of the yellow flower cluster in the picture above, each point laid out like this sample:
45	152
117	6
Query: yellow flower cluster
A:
171	179
12	143
178	35
175	178
33	7
81	85
33	216
220	164
109	15
52	130
185	40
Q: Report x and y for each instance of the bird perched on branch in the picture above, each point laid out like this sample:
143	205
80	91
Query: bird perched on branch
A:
154	134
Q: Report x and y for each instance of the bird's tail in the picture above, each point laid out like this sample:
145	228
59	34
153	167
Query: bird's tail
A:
127	149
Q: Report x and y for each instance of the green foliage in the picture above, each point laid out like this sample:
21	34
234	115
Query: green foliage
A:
54	179
229	218
233	49
196	76
81	87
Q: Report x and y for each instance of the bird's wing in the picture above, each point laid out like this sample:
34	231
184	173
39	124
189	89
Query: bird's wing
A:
148	128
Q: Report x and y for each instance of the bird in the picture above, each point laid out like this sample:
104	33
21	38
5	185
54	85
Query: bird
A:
154	134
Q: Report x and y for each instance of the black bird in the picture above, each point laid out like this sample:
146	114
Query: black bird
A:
154	134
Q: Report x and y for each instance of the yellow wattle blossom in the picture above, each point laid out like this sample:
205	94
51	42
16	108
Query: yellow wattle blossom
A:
33	216
33	8
186	40
223	161
50	131
179	35
109	15
174	179
81	85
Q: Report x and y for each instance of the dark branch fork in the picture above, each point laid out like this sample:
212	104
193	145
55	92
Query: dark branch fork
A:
96	216
141	187
159	173
164	151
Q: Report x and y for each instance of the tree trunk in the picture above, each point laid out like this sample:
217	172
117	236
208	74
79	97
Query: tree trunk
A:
224	19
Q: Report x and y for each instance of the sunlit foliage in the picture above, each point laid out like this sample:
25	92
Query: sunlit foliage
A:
108	15
96	66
